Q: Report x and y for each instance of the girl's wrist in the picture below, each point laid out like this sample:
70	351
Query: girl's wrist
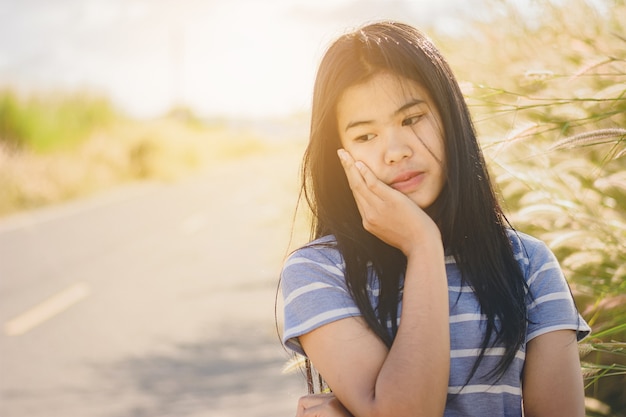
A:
425	246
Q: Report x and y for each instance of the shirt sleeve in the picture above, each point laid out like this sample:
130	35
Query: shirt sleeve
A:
550	303
314	293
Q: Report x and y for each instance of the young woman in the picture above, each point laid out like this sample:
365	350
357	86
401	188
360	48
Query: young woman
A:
415	297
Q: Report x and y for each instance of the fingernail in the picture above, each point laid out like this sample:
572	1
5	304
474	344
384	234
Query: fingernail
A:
342	154
360	165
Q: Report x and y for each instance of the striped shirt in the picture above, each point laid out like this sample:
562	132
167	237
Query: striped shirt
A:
315	294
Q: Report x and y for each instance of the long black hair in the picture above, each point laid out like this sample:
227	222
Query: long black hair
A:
471	221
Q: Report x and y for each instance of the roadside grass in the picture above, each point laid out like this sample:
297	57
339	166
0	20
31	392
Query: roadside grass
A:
122	151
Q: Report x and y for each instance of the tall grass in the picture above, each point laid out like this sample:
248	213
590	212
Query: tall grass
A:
549	97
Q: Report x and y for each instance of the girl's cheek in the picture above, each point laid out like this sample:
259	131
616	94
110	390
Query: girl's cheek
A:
364	157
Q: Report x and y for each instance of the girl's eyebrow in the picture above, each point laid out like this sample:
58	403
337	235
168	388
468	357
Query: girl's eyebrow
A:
408	105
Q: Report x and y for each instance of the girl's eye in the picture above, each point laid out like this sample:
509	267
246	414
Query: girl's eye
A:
410	121
364	138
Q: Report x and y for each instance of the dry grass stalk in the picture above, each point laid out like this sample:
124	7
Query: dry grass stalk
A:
594	137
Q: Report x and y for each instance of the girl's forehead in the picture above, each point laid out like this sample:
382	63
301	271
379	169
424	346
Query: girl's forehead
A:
388	84
383	88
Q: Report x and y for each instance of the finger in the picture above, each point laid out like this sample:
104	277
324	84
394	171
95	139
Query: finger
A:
354	173
372	183
355	180
308	401
314	411
315	405
366	190
363	180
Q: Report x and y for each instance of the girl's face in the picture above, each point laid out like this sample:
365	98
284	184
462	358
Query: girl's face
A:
391	124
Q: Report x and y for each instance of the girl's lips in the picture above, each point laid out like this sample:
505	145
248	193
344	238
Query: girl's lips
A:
407	181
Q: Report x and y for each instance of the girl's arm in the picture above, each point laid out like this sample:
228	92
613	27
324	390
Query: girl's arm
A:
411	378
552	383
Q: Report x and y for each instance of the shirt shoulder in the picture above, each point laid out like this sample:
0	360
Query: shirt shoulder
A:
550	303
319	260
314	290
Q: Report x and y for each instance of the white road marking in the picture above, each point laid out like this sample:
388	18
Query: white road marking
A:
47	309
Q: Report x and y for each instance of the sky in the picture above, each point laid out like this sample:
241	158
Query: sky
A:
220	58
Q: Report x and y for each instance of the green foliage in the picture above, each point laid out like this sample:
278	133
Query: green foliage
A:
45	123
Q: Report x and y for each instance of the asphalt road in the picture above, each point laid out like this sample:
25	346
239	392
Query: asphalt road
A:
154	299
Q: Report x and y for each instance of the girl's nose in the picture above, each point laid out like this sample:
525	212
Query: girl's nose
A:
397	147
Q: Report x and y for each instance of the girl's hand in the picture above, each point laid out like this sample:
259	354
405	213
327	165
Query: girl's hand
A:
321	405
387	213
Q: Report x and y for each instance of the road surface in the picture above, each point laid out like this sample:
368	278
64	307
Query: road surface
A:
154	299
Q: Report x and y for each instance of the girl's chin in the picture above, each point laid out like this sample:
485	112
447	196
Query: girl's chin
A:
424	204
434	208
